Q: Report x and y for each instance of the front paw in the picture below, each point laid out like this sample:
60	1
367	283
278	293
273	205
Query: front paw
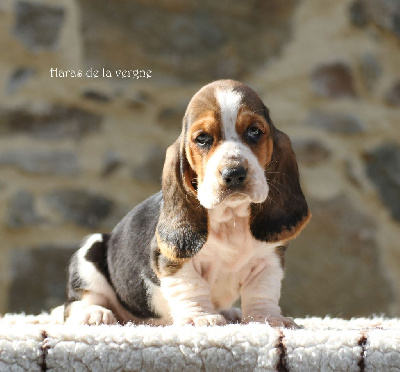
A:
91	315
280	321
232	315
275	321
204	320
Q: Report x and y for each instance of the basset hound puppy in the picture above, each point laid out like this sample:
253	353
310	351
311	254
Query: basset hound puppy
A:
230	202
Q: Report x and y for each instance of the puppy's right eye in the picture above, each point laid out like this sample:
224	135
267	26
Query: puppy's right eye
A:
204	140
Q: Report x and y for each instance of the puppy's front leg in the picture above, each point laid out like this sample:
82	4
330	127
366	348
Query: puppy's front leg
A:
260	295
189	298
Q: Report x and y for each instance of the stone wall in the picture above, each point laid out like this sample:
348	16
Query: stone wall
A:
78	151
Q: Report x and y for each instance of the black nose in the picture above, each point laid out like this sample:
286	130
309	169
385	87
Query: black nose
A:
234	176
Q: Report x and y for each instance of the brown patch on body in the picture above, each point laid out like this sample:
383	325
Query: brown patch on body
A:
169	251
164	266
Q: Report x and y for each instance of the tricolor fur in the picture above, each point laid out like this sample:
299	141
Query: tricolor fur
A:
230	202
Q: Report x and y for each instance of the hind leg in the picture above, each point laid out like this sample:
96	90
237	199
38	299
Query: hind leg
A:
90	295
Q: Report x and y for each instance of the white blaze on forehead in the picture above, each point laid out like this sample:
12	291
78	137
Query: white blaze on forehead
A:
229	103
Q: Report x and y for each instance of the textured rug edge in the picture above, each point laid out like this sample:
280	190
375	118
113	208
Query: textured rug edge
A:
40	342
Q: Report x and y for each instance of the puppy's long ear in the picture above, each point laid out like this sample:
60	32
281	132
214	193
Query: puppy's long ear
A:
182	226
285	212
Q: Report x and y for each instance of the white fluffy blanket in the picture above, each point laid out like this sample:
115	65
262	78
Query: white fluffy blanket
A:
38	343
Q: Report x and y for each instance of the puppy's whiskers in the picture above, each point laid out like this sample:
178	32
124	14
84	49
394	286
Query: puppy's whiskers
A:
272	185
276	173
274	181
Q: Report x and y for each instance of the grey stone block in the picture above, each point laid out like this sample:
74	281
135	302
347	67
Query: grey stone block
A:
18	79
151	169
44	163
336	122
96	96
138	100
371	69
187	40
333	80
56	122
38	278
38	25
22	211
393	95
81	207
384	13
383	168
111	162
310	151
357	14
171	117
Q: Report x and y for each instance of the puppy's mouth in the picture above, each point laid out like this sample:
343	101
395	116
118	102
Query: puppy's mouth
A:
235	199
236	204
232	198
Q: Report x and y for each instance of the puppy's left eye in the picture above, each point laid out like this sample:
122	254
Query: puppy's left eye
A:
253	133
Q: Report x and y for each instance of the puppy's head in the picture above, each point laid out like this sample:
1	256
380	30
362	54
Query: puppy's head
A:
228	143
230	152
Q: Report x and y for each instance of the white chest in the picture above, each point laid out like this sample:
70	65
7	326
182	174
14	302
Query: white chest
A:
231	254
